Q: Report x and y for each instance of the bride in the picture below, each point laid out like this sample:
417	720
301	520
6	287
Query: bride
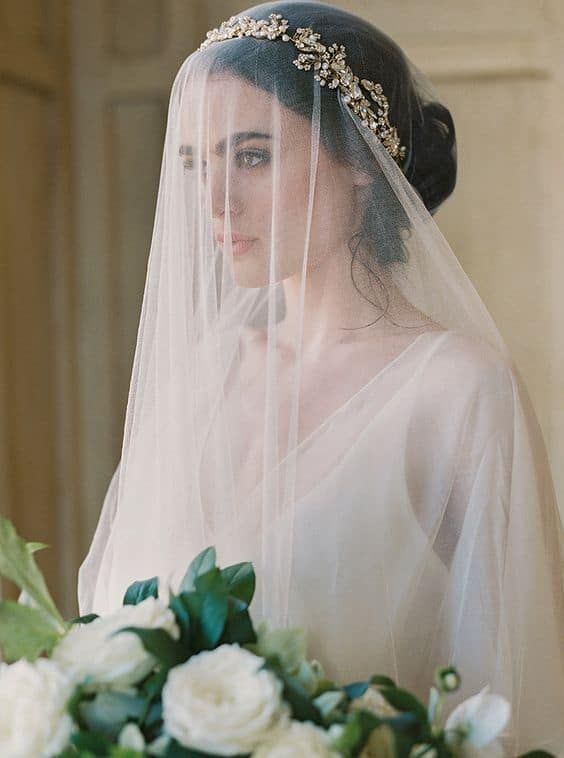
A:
317	386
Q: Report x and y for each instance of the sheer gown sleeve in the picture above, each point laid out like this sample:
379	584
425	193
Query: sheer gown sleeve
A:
500	537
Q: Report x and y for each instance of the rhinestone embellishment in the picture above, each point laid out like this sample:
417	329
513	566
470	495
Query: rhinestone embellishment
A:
329	64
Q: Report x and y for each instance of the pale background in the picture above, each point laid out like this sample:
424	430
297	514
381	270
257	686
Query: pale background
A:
84	91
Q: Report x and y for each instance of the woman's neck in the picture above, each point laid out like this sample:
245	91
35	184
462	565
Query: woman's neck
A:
330	309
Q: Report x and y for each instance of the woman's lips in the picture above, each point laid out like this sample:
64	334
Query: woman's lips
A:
239	243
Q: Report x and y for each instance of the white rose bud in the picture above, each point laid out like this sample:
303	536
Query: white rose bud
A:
372	700
220	702
297	739
423	751
131	737
90	650
33	716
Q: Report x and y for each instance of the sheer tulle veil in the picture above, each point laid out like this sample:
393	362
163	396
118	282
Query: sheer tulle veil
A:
318	387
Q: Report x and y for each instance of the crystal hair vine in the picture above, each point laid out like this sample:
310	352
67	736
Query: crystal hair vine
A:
331	69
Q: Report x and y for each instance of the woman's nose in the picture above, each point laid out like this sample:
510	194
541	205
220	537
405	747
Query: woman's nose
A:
223	193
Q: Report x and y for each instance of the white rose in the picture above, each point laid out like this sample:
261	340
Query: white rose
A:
297	739
220	702
33	717
119	660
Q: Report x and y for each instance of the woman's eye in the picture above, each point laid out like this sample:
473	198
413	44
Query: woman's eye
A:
189	165
252	158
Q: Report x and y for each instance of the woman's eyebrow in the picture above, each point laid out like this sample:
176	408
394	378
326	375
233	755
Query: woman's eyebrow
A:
239	137
235	140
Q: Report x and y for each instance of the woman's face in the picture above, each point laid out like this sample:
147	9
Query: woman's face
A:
258	162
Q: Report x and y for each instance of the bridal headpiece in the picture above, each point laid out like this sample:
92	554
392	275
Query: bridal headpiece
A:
331	69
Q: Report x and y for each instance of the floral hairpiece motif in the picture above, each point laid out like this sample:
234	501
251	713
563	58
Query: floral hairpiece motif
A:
331	70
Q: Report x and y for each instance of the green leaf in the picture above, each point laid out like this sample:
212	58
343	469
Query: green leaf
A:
240	580
18	565
192	603
107	713
152	686
159	643
295	695
356	731
33	547
85	619
407	722
402	700
124	752
404	743
384	741
154	715
434	707
151	690
202	563
356	689
298	698
79	694
239	627
213	618
211	580
91	744
382	681
213	614
181	610
25	632
139	591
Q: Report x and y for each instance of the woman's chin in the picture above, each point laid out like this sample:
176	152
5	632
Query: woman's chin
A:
249	275
252	271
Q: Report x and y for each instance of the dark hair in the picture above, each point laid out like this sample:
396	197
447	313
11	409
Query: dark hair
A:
425	127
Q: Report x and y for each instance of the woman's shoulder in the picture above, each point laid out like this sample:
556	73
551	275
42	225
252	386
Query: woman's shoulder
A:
466	361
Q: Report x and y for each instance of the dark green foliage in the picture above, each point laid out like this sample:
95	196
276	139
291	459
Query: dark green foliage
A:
85	619
139	591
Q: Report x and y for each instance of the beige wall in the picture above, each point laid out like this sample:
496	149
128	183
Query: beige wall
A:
68	312
38	462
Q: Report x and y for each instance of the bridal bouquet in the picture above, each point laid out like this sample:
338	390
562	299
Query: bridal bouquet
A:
190	676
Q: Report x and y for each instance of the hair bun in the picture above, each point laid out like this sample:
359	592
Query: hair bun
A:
431	163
